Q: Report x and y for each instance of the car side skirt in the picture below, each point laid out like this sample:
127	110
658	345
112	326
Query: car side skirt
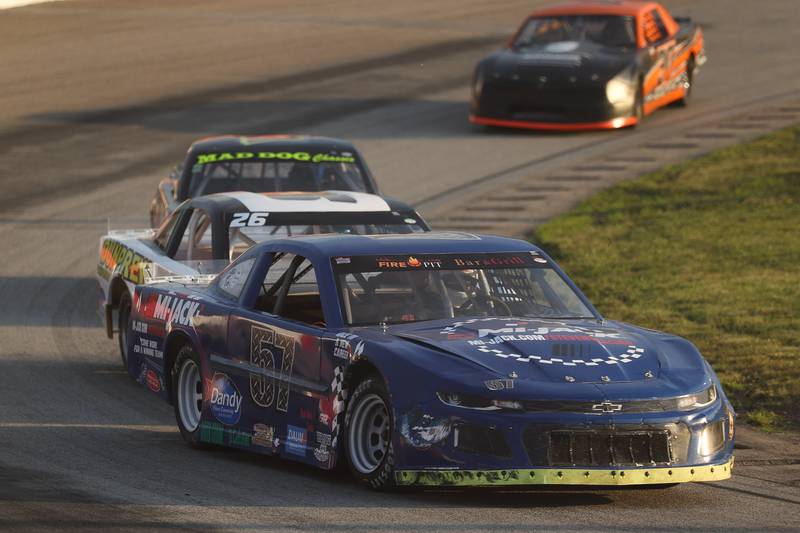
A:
612	124
566	476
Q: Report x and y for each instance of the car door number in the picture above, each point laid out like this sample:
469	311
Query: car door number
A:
266	346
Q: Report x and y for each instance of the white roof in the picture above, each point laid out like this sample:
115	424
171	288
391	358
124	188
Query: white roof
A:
306	202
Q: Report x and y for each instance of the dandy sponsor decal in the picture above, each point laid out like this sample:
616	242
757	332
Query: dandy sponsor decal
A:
225	399
296	440
343	348
308	157
117	257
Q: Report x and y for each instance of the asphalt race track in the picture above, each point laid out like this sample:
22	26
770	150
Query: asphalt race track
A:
99	98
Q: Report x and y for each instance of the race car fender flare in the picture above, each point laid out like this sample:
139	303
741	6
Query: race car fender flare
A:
173	342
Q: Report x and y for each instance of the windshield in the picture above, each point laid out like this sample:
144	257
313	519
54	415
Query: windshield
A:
607	30
380	289
271	172
277	225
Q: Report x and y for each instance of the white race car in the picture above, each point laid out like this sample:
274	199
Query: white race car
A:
204	234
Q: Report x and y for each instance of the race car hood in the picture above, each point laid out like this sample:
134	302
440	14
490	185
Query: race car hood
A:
573	351
569	62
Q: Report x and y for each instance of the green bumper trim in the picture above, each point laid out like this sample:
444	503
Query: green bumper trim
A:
565	476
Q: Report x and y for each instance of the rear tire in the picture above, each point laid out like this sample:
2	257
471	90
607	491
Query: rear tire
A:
368	430
187	395
123	323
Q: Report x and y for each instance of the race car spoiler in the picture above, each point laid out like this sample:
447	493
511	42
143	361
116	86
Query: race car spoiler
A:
199	279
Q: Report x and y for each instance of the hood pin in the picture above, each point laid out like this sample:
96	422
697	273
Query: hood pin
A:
513	375
648	374
570	379
605	379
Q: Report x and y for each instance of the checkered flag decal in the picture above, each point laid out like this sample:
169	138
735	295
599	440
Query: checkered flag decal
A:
631	354
337	388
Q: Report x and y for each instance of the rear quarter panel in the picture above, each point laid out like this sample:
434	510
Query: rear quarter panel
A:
164	318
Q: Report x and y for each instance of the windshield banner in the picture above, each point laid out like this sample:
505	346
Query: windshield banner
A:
373	263
203	159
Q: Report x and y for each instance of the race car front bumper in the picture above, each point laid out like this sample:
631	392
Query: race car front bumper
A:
524	104
616	123
444	444
566	476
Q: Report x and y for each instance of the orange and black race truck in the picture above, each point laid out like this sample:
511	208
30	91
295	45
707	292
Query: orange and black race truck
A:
588	65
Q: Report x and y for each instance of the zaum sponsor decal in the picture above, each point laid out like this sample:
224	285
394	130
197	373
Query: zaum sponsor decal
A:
117	257
203	159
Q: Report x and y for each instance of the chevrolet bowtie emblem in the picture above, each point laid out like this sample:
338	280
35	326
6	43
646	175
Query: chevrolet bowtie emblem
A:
607	407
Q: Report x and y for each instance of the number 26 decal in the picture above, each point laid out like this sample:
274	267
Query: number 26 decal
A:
241	220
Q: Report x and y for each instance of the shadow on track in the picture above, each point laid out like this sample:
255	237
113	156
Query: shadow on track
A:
399	118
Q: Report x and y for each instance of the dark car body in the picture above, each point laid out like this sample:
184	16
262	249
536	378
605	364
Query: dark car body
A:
231	151
583	401
565	83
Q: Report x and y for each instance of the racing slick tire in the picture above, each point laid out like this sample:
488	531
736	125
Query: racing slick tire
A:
688	82
123	323
368	430
187	395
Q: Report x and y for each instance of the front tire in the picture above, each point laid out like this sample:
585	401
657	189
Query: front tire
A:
187	395
687	79
638	103
368	430
123	323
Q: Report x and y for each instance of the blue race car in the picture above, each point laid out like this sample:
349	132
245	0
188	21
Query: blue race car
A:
429	359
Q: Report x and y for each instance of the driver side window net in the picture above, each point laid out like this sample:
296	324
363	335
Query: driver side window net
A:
290	290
